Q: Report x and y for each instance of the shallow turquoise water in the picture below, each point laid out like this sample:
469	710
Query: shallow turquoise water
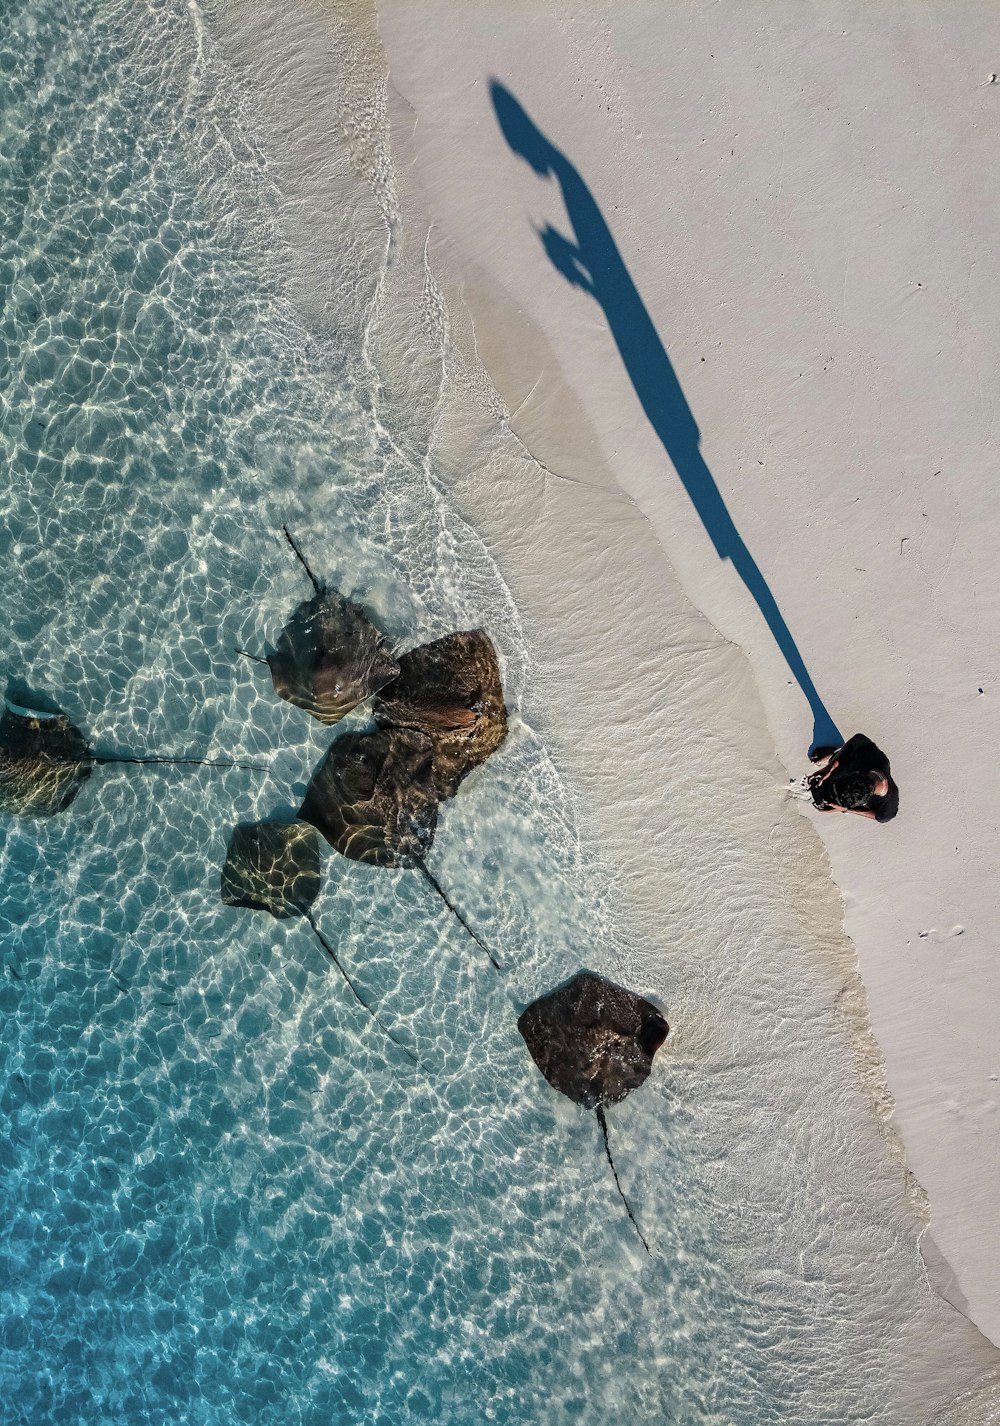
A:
227	1198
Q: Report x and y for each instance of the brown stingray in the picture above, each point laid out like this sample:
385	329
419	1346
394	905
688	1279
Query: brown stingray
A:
373	798
594	1042
272	866
45	760
329	656
275	867
449	690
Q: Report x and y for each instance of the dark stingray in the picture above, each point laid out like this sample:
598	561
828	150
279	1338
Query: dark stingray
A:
329	656
451	692
275	867
594	1042
272	866
373	797
374	800
45	760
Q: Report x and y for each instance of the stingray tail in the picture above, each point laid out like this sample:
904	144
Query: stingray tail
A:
105	760
607	1149
455	911
355	992
252	657
301	559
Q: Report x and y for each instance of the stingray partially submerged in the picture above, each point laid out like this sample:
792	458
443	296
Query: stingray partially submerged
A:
373	797
45	760
329	657
275	867
449	690
374	800
594	1042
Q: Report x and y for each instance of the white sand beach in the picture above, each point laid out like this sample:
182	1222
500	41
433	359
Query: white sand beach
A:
801	203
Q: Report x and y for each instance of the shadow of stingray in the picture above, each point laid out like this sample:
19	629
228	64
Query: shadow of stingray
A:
591	261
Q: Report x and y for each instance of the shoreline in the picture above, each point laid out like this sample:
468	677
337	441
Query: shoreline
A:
640	612
583	419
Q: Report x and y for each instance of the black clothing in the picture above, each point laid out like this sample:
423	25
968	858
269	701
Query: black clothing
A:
859	755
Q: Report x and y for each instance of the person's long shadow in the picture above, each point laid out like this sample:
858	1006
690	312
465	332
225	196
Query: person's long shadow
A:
594	264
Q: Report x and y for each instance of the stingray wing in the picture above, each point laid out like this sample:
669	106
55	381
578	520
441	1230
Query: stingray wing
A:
450	690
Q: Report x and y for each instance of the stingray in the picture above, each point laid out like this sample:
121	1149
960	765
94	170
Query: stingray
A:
373	798
45	760
450	691
329	656
275	867
594	1042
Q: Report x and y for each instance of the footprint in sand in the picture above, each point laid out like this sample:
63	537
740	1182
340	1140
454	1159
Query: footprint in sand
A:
935	935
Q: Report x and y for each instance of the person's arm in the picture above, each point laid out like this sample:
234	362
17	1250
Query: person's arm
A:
857	811
816	779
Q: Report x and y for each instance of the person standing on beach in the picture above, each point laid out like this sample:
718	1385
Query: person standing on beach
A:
854	778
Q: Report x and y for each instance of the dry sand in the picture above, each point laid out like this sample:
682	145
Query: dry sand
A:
806	201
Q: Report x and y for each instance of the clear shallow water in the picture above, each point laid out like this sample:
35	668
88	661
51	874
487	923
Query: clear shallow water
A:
227	1198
